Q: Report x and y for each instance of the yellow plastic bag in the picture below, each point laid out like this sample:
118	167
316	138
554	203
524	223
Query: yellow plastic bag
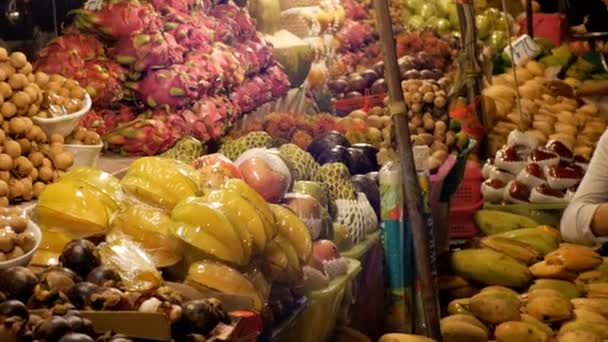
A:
132	263
152	229
161	182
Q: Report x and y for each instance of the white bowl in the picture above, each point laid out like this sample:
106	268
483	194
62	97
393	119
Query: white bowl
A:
63	125
25	259
84	155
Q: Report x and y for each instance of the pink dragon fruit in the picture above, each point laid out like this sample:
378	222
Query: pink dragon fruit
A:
260	89
354	35
84	45
143	136
118	18
103	80
186	123
254	55
218	67
222	30
354	10
237	18
278	81
179	5
93	121
142	51
217	113
167	87
189	35
117	116
67	63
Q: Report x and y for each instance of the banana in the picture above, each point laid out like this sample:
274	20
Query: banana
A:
224	279
576	325
346	334
293	263
599	305
597	290
574	258
538	324
549	308
455	331
293	229
207	229
514	331
459	306
495	307
247	192
470	319
538	238
404	338
590	316
551	231
494	221
489	267
276	259
243	217
515	249
578	336
590	277
568	289
543	270
451	282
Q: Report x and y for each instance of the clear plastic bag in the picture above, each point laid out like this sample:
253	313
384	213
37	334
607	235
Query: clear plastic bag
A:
309	210
135	267
152	229
266	172
215	169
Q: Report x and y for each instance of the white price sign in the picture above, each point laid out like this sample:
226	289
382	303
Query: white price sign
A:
524	49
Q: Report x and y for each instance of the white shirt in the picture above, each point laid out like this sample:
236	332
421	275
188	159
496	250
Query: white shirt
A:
593	191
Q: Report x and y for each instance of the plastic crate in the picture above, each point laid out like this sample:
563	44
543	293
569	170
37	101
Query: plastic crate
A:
462	223
469	191
346	106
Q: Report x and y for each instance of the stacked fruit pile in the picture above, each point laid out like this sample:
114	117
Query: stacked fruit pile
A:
84	280
195	67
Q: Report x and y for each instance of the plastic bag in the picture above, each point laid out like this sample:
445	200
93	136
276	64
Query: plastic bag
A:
151	228
99	180
161	182
309	210
215	169
266	172
132	263
72	208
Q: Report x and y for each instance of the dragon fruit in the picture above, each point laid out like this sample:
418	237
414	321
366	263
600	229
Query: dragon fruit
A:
103	80
84	45
115	117
189	35
222	30
236	17
118	18
142	51
218	68
145	135
179	5
184	123
354	35
67	63
260	89
277	80
93	121
254	55
354	10
167	87
217	113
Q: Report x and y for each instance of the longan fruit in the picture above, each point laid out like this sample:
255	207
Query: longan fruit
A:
56	138
3	54
28	189
45	149
47	162
57	78
2	136
22	166
15	189
35	134
65	92
63	161
17	126
15	253
38	188
12	148
3	76
21	99
29	124
33	110
3	188
41	79
78	93
8	69
18	59
8	110
17	81
92	138
72	107
26	145
57	174
34	174
5	176
5	90
6	127
45	174
6	162
43	114
56	148
36	158
17	222
33	91
53	86
70	83
26	69
31	78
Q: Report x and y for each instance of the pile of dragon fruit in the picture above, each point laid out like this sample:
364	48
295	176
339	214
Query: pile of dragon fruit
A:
163	69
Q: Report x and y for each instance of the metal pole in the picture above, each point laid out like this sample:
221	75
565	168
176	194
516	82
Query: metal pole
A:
412	191
530	18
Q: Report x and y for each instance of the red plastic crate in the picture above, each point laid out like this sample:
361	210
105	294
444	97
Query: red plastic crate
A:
469	191
551	26
462	225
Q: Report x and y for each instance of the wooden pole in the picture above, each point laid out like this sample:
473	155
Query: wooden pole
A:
413	195
530	18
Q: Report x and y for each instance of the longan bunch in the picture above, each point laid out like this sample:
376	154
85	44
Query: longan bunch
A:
28	158
83	136
61	95
15	240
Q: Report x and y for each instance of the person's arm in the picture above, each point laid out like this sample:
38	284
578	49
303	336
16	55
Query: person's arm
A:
593	88
585	221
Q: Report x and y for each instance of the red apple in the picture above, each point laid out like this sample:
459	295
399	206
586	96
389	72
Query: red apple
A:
268	182
325	250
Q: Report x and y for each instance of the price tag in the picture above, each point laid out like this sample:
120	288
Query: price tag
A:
93	5
524	49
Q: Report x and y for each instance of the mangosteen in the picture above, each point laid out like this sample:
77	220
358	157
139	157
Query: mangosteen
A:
352	95
371	152
13	308
325	142
18	283
370	77
121	338
201	316
358	163
80	294
81	256
76	337
337	154
411	75
110	299
406	63
379	87
379	68
79	324
338	85
427	75
356	83
52	329
103	276
422	61
368	186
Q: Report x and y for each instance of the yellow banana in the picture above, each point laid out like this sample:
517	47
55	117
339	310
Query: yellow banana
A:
294	269
495	307
599	305
542	293
539	238
590	277
222	278
543	270
597	290
517	250
494	221
551	231
463	292
247	192
489	267
514	331
452	330
604	266
293	229
459	306
568	289
276	258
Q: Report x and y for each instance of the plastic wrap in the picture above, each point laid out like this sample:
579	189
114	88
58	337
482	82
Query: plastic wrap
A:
73	209
266	172
161	182
309	210
491	194
135	267
151	228
530	180
201	225
215	169
100	181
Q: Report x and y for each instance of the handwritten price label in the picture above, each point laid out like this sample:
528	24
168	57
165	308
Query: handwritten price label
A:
524	49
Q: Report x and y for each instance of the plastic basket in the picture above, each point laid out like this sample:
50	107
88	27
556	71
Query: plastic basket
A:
462	223
345	106
549	214
469	191
358	251
319	319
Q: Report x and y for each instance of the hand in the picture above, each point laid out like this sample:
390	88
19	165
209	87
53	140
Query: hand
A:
559	88
580	29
